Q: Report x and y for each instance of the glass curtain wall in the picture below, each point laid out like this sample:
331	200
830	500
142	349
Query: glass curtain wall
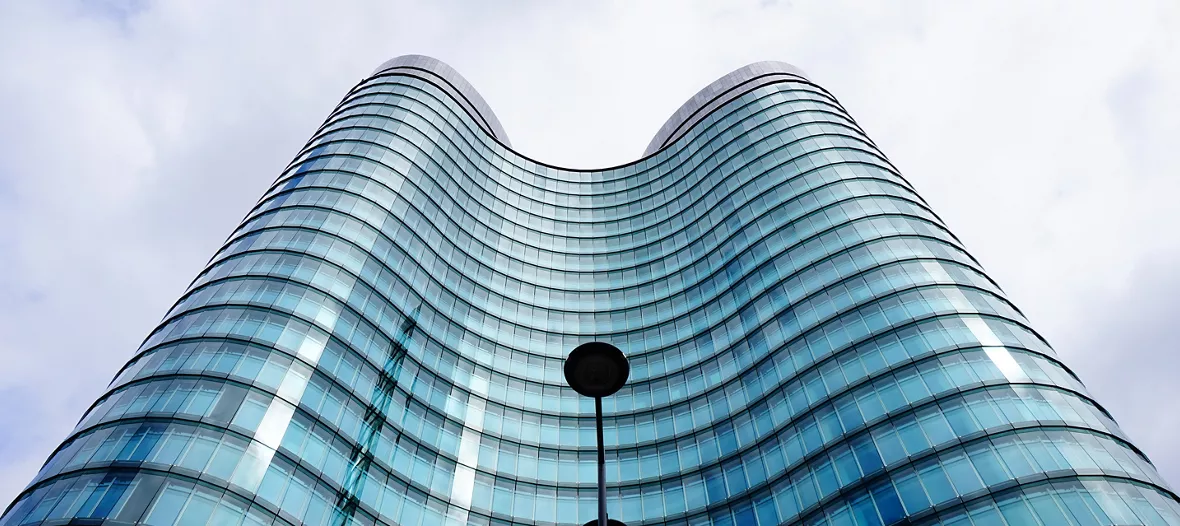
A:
381	341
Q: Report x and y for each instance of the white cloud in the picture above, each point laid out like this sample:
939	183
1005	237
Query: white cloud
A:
136	134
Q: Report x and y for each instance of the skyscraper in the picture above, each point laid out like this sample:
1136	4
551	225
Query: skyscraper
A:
381	341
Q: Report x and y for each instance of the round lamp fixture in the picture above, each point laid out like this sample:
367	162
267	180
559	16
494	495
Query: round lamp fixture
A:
609	522
596	369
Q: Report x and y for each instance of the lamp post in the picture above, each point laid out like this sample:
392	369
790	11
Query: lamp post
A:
598	370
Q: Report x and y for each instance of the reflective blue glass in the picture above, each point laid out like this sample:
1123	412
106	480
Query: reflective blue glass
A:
381	341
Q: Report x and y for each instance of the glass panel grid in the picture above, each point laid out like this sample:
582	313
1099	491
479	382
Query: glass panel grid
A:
380	341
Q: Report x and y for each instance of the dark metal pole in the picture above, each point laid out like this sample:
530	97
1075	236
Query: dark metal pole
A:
597	370
601	464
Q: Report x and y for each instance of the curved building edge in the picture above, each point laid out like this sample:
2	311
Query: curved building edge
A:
716	94
465	91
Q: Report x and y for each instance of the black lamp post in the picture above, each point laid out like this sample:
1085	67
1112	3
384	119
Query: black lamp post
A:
598	370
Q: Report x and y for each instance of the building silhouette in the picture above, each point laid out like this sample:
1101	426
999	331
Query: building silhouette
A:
381	341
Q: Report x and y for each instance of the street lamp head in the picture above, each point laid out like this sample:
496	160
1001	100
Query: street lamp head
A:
596	369
609	522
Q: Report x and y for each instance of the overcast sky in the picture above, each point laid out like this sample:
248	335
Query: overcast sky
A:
135	134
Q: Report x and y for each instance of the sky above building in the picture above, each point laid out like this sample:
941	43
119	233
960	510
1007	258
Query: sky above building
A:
135	135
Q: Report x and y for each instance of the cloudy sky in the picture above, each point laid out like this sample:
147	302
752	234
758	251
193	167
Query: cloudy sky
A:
135	134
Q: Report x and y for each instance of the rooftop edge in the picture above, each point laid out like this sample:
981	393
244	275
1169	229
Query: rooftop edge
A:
698	106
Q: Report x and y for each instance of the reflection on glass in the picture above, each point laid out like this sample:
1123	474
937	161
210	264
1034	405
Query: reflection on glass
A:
381	341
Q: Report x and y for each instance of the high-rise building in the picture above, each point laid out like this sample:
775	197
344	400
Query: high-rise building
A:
381	341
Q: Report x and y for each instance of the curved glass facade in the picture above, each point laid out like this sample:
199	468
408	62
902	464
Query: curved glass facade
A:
381	341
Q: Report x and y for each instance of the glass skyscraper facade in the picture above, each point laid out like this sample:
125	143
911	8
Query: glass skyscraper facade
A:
381	341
